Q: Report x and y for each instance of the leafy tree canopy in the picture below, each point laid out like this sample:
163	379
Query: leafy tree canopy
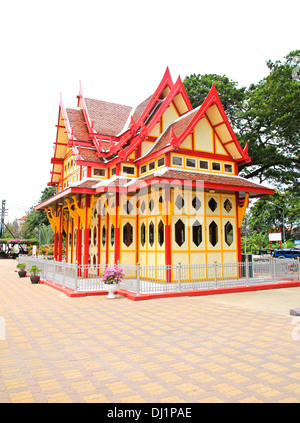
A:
36	218
265	115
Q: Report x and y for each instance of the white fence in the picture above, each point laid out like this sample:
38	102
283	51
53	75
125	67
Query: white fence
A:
158	279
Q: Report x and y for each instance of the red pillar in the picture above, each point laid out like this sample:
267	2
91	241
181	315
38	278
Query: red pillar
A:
60	236
107	238
78	242
86	236
137	233
168	248
55	244
238	234
117	229
99	243
72	240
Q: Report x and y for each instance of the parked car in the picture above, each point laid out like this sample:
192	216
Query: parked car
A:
286	253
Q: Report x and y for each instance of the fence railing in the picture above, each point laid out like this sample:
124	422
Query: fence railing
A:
168	278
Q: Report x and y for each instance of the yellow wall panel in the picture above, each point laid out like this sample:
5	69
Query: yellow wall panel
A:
197	258
169	116
203	136
219	148
155	131
187	143
146	145
127	258
177	257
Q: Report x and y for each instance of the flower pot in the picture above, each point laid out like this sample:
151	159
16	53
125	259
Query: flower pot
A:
22	273
35	278
111	288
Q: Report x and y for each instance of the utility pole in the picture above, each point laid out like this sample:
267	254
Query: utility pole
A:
3	214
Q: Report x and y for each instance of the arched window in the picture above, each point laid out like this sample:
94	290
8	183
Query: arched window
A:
161	233
151	204
212	204
127	234
143	234
196	203
112	235
179	202
128	207
95	235
197	233
228	233
179	232
227	205
151	234
143	206
213	233
103	235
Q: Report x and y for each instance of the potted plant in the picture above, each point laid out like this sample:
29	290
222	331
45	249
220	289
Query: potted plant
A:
22	270
35	277
111	278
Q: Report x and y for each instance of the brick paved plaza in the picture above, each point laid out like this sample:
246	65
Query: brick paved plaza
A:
240	347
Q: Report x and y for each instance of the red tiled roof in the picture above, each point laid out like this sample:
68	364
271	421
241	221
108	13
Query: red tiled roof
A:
208	179
88	154
178	127
117	182
87	184
76	120
109	118
140	108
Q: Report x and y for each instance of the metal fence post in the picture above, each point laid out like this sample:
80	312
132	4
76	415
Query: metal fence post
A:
45	269
215	274
54	270
138	280
76	276
247	271
274	270
64	273
179	276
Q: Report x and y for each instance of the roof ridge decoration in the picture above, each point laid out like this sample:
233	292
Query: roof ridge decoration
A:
65	118
143	129
89	122
200	112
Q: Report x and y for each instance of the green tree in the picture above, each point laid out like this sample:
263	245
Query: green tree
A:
44	233
36	218
270	124
12	229
266	116
232	97
278	212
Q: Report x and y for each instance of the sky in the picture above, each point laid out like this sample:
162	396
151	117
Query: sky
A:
119	50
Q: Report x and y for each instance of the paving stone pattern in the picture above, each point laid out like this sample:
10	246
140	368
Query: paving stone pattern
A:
56	349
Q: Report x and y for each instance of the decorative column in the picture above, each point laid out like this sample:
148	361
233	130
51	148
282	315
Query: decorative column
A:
168	223
65	223
76	224
55	224
86	235
85	217
117	230
60	234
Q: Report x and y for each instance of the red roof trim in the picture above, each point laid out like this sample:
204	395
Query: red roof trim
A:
165	82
